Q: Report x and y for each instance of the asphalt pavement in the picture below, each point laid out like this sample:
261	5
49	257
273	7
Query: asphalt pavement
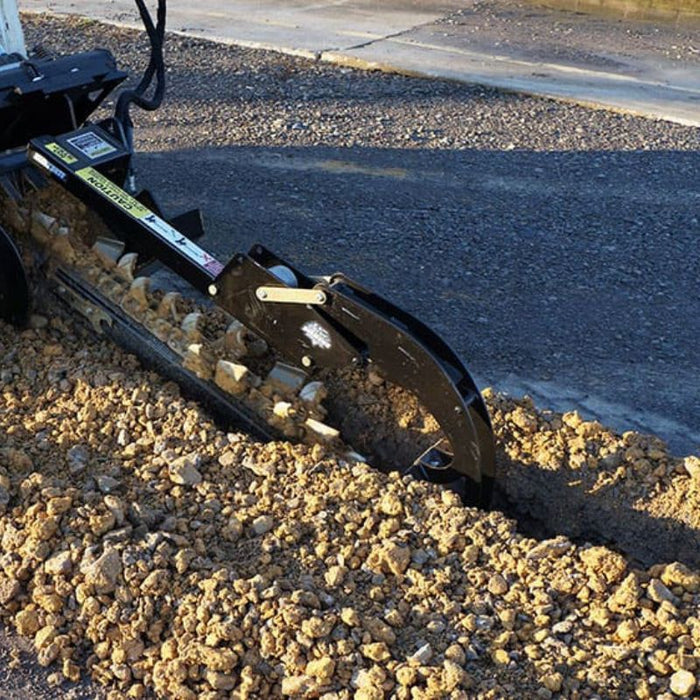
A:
554	246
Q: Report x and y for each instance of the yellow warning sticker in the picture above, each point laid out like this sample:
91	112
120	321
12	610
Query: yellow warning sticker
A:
106	187
158	226
62	153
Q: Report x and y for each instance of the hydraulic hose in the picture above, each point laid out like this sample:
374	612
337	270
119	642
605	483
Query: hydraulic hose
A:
155	69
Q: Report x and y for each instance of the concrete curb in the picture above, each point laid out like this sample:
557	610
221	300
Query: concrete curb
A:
592	89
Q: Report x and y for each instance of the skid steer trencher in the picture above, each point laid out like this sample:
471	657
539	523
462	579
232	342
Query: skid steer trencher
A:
72	215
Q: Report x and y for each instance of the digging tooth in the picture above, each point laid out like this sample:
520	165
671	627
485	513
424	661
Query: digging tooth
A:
137	298
126	266
322	431
234	378
167	309
199	361
47	222
42	227
190	327
312	396
284	379
108	251
353	456
235	339
313	393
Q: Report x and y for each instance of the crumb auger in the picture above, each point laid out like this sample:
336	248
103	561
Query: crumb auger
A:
319	359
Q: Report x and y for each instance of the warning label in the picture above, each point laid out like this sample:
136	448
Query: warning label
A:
105	186
161	228
91	145
62	153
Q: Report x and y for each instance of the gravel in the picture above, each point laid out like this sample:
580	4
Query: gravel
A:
250	97
313	577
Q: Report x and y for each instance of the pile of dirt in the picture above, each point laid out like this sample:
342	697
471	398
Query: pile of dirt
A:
579	478
166	558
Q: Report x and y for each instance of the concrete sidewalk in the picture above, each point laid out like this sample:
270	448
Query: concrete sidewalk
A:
446	39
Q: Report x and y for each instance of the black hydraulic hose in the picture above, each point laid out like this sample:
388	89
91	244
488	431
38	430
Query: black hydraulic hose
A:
156	64
156	67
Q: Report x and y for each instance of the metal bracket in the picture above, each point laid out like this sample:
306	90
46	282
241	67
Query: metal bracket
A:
291	295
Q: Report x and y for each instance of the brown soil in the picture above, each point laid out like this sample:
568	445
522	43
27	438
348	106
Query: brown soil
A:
388	424
281	570
591	483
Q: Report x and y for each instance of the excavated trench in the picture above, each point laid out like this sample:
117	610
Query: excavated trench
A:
561	475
